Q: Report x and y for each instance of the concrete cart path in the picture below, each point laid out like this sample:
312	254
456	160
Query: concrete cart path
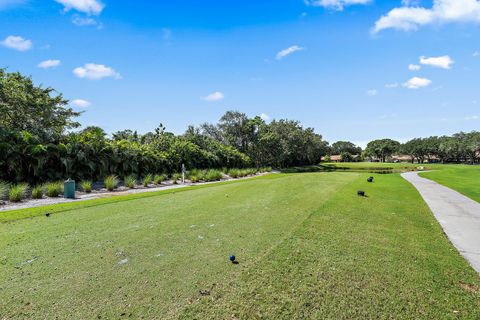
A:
458	215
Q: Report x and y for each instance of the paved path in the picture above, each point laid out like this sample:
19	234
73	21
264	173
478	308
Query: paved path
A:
458	215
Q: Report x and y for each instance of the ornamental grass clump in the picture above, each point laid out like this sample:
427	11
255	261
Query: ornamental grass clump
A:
176	177
18	192
111	182
147	180
234	173
130	181
3	190
86	186
213	175
159	178
37	192
53	189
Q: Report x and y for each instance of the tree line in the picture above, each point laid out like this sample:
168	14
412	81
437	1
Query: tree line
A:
461	147
40	141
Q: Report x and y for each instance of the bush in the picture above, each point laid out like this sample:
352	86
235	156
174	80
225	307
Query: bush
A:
266	169
213	175
234	173
86	186
18	192
147	180
130	181
194	179
176	177
111	182
37	192
53	189
158	178
3	190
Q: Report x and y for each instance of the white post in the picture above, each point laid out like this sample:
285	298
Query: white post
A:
183	173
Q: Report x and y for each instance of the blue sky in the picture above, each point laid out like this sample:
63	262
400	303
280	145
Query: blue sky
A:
352	69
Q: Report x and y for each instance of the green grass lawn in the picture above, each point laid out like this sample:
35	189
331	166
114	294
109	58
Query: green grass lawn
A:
307	245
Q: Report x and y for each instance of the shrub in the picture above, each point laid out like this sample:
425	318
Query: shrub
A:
86	186
130	181
158	178
53	189
266	169
147	180
234	173
37	192
111	182
213	175
18	192
3	190
176	177
194	179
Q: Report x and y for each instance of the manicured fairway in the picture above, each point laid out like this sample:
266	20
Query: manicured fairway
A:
307	245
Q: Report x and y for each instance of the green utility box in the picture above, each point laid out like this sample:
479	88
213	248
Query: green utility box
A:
69	189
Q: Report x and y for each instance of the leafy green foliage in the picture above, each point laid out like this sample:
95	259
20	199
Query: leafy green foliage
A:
147	180
53	189
37	192
213	175
111	182
86	186
382	149
176	177
159	178
18	192
130	181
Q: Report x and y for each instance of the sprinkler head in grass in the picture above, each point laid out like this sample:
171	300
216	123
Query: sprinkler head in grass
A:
361	193
370	179
47	215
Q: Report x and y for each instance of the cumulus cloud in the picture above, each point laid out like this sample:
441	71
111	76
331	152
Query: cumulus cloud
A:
17	43
443	62
86	6
92	71
443	11
80	103
47	64
335	4
417	83
372	92
414	67
288	51
215	96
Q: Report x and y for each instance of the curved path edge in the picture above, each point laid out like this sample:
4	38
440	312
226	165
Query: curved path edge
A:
458	215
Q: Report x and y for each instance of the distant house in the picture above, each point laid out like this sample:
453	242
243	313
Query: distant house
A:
337	158
402	158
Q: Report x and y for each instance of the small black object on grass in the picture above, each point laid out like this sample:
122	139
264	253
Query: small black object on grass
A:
361	193
370	179
47	215
233	259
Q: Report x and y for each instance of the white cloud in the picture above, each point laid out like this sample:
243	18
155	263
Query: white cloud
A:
264	116
416	83
443	62
414	67
94	71
288	51
372	92
391	85
17	43
81	103
85	6
335	4
215	96
443	11
47	64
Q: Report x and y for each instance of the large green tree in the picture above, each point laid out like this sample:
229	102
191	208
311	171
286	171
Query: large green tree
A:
25	106
382	148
